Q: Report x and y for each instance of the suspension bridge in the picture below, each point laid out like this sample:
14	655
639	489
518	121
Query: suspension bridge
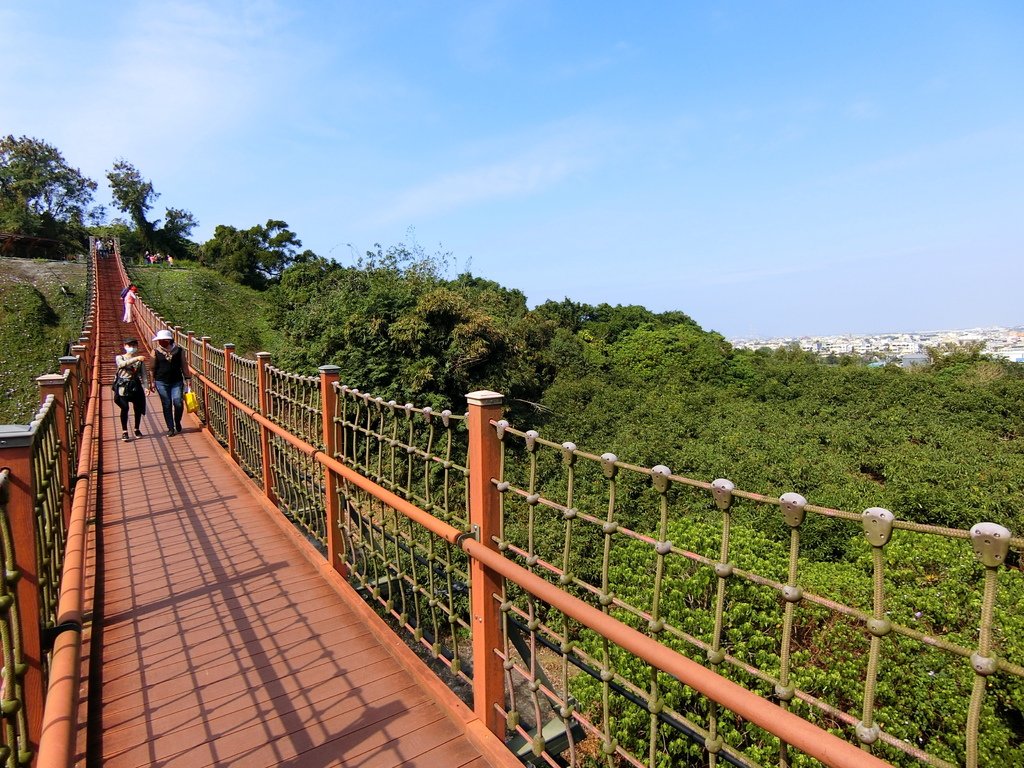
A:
308	575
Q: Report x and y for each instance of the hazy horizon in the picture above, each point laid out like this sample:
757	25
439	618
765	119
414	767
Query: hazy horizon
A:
916	331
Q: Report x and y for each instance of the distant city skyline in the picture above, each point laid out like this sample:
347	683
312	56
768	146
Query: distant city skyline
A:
769	168
912	332
908	347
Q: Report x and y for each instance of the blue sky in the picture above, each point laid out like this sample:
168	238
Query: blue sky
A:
767	167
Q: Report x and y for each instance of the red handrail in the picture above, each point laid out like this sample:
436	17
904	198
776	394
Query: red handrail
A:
60	713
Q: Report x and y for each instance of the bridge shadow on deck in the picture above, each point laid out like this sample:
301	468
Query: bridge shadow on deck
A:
215	641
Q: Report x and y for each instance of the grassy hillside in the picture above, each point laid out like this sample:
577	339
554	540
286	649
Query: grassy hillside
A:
204	301
37	320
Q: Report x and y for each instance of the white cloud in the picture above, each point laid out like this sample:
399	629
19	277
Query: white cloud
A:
161	78
477	185
562	152
477	36
827	264
863	109
990	145
184	68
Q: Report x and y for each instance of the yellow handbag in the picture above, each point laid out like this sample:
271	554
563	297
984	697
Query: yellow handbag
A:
191	402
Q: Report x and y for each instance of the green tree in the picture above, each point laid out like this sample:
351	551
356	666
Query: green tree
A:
41	195
173	236
257	256
134	196
953	353
398	328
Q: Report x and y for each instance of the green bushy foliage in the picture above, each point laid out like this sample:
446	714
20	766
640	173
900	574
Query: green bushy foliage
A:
399	329
922	693
200	300
41	310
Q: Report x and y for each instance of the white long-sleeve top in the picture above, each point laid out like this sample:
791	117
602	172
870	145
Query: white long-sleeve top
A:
136	363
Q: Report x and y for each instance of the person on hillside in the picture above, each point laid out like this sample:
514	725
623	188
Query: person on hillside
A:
130	385
129	302
170	372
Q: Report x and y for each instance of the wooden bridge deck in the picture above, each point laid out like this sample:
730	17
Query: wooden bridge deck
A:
217	640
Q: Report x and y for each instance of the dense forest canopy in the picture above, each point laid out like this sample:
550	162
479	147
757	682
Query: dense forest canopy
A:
42	196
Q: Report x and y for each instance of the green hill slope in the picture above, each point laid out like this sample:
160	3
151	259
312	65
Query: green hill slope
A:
206	302
37	320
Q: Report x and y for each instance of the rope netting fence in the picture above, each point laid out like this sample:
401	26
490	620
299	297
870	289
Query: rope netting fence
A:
908	647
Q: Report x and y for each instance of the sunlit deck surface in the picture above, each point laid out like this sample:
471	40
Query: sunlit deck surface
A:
215	640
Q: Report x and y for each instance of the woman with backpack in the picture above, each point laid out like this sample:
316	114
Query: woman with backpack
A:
130	385
129	297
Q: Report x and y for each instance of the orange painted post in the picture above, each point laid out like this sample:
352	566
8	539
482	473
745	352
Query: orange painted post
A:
188	358
229	350
329	409
72	366
83	348
88	333
85	354
53	384
206	376
16	456
484	519
262	384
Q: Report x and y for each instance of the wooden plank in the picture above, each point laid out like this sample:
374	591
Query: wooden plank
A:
240	729
372	735
311	683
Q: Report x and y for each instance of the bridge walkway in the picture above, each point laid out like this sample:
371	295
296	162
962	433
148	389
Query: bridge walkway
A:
217	638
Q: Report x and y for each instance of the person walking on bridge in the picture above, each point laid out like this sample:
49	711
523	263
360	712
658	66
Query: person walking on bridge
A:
170	372
129	302
130	385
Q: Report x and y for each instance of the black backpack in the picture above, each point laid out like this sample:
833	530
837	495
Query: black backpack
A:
126	384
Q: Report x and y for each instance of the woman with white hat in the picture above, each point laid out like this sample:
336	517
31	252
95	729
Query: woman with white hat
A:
170	372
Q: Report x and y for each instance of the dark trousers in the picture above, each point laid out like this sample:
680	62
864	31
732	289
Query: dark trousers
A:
139	404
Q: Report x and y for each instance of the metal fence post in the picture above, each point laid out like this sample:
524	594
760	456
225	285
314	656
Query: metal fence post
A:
262	361
72	366
484	520
85	354
329	375
84	349
53	384
16	445
229	409
206	390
